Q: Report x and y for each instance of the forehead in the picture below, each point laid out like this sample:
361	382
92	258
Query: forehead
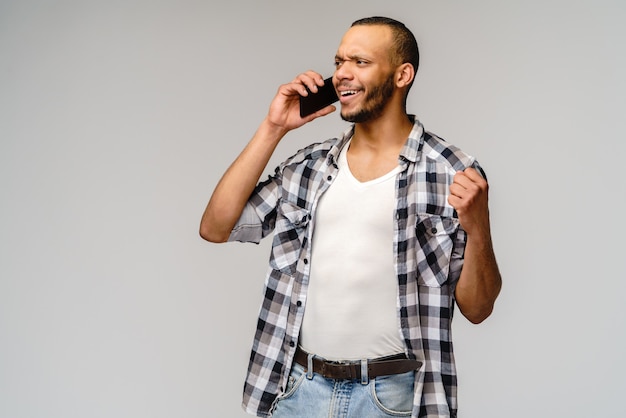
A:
366	41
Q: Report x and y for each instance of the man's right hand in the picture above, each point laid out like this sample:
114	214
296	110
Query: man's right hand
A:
233	190
284	112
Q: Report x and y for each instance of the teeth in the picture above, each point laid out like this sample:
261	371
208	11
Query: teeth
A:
348	92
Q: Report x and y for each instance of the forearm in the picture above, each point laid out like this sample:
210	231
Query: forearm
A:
480	280
234	189
237	184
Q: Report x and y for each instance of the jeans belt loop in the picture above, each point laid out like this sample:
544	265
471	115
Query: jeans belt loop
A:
364	377
309	371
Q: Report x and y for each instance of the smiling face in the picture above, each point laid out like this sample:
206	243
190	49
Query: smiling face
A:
364	75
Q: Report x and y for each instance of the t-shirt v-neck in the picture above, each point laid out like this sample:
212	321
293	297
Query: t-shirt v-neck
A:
345	167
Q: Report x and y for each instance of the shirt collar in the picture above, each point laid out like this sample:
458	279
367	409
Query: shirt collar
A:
413	147
333	154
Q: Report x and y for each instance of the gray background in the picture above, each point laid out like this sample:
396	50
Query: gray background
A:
117	119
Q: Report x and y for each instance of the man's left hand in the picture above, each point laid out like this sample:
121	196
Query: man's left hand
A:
469	196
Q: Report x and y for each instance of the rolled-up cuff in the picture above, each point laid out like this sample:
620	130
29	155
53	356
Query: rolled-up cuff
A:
248	227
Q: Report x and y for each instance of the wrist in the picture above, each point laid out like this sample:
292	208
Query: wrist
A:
480	238
271	131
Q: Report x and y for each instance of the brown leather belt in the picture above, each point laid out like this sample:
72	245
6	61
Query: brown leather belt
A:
352	370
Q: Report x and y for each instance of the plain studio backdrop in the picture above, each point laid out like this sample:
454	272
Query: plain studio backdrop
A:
117	119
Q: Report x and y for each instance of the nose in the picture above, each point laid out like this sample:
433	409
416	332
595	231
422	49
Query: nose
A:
343	72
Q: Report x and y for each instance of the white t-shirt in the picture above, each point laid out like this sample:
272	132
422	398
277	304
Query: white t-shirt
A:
352	309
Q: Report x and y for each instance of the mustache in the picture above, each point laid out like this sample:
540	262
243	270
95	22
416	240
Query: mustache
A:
348	86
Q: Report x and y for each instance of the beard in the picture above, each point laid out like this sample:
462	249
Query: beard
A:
373	104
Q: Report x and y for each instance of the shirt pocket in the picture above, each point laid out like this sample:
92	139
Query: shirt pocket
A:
289	233
435	241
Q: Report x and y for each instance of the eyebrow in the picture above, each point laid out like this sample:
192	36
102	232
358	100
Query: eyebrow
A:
352	58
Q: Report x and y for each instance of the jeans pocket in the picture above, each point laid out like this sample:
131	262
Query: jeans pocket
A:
393	394
294	381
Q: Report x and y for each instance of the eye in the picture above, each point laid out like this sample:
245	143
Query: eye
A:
338	63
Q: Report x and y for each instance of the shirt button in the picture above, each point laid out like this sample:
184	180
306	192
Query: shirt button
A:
305	261
433	230
299	303
292	344
329	178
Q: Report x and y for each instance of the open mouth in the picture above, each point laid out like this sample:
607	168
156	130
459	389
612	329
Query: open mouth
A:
346	96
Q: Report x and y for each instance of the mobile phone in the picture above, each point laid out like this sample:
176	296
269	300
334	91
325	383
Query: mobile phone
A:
326	95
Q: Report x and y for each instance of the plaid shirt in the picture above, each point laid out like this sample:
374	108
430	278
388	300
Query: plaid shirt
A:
428	250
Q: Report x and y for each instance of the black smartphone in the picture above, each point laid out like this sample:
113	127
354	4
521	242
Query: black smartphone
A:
325	96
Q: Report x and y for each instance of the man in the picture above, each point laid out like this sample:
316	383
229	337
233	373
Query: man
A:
376	235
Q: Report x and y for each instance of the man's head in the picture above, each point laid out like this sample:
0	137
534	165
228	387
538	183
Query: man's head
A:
375	66
404	47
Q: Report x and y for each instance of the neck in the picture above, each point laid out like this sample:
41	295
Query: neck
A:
389	130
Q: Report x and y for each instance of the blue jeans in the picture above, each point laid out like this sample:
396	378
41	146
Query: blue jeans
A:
315	396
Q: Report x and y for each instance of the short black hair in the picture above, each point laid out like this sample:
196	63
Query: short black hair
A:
405	44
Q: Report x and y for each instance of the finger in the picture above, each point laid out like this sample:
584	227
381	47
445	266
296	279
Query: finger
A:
323	112
461	180
295	88
311	80
469	179
316	77
463	187
457	190
473	175
454	201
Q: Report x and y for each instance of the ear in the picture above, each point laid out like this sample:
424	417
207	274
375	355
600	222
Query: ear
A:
404	75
